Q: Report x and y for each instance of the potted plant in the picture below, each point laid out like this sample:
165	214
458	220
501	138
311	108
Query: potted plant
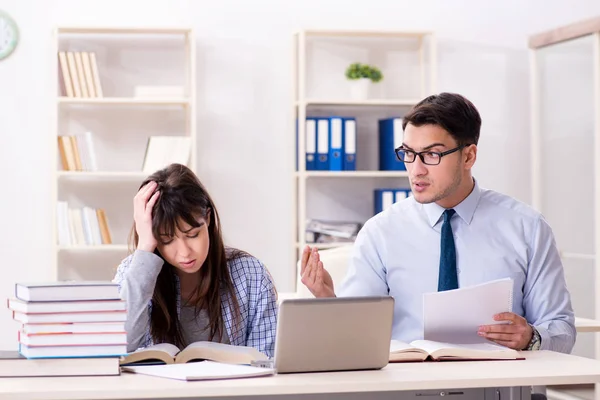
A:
362	76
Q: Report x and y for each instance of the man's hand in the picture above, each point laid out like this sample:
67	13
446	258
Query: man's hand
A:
516	334
314	276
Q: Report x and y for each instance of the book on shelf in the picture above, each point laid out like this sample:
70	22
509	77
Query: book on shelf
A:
427	350
79	74
76	152
81	226
162	151
206	370
166	353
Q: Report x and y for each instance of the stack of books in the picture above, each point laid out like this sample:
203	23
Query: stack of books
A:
83	321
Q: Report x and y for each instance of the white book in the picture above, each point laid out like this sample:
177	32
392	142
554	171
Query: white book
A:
454	316
87	217
13	364
426	350
67	291
62	223
75	327
203	370
162	151
91	160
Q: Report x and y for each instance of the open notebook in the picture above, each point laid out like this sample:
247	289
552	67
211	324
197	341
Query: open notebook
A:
427	350
166	353
196	371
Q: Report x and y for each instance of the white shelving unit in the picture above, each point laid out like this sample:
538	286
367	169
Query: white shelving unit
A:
121	124
565	162
320	88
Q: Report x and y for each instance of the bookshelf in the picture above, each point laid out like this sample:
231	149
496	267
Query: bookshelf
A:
320	89
139	83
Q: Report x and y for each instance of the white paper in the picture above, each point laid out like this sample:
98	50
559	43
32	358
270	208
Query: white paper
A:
454	316
200	371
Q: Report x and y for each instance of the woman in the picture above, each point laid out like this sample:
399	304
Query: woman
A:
181	284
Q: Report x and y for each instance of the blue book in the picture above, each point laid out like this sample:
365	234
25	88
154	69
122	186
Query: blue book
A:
322	162
336	149
349	144
390	138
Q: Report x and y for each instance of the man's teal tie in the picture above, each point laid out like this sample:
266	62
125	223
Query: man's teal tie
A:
448	278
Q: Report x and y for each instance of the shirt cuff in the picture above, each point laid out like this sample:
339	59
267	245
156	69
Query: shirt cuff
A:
545	345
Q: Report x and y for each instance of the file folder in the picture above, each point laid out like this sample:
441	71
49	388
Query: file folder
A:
390	138
349	144
322	162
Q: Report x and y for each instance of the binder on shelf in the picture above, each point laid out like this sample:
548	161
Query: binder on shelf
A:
311	143
349	144
390	138
402	194
384	198
322	162
336	147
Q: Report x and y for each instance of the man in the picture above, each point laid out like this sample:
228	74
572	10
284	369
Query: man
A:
452	233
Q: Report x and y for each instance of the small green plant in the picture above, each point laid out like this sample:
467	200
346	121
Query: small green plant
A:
358	71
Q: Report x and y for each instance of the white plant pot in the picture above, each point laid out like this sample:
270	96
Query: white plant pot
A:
359	88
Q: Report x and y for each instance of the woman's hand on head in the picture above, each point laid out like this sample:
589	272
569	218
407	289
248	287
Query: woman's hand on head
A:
143	203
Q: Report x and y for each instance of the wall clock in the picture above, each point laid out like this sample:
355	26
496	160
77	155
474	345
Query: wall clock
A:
9	35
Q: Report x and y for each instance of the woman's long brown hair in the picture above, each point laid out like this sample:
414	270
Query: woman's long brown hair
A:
184	198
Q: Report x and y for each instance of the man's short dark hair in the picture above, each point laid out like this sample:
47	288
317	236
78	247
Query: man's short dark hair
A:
450	111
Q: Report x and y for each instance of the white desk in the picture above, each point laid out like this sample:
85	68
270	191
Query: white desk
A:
540	368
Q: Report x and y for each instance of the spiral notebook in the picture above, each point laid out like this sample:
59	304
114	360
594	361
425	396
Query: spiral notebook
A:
454	316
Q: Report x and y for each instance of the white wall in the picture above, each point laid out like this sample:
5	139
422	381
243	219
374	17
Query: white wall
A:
244	70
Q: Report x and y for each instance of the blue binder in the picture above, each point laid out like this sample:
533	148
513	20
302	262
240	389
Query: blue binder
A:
336	149
311	144
390	137
349	144
383	199
401	194
322	162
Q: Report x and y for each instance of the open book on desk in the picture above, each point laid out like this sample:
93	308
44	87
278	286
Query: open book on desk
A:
427	350
166	353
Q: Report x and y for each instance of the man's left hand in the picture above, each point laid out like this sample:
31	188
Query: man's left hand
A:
516	334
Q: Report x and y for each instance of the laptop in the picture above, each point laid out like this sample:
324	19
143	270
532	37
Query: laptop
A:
333	334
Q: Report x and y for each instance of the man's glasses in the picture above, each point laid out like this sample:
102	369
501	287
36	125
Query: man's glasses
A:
428	157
